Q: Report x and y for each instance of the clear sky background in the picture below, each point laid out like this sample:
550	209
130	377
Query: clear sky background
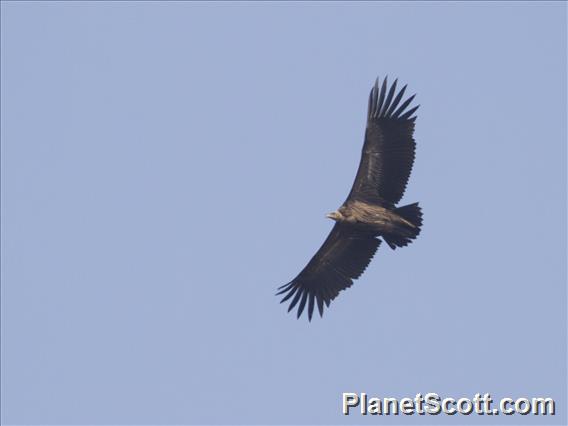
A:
166	166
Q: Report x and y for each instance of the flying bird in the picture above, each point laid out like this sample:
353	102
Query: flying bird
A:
370	214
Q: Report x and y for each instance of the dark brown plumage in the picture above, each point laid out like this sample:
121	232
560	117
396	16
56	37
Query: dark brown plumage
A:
370	211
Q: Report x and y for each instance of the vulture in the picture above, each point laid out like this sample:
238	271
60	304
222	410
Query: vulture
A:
370	214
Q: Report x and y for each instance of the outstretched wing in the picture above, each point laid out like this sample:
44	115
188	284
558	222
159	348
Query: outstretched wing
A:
343	257
388	151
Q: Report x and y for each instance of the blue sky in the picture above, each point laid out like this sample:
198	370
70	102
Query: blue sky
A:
165	166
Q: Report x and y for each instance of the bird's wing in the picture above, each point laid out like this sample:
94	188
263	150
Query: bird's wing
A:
388	151
343	257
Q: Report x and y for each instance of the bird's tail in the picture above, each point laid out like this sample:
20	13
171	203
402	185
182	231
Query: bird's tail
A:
412	214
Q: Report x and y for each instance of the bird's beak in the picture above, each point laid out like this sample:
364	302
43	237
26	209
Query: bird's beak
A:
329	215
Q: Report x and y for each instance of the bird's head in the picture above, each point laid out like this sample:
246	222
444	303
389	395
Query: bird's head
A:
336	215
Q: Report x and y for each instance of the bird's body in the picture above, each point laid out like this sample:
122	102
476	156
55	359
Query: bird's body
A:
370	211
372	217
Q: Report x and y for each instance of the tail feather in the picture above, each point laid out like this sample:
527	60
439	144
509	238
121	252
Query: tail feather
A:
413	214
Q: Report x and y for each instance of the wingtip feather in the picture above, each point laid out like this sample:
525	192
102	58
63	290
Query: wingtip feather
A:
295	300
302	303
385	102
